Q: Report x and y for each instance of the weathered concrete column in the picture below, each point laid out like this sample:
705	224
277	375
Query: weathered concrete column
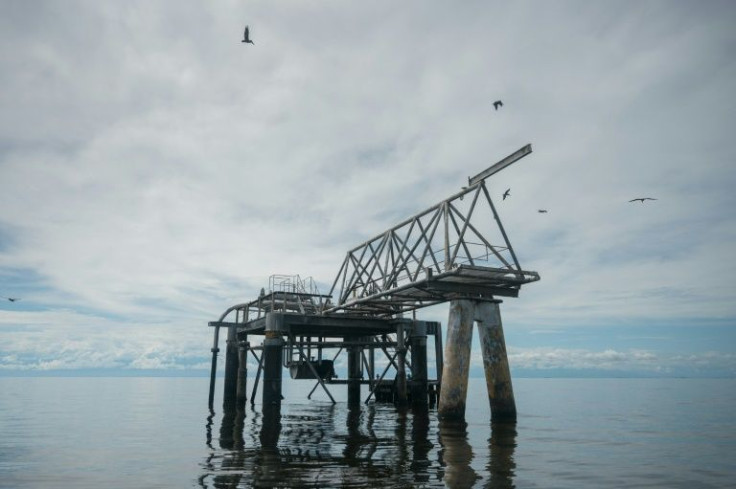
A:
418	382
401	394
242	389
355	375
231	369
273	347
456	360
495	361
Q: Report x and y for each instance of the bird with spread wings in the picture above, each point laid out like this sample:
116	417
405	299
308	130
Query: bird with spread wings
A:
642	199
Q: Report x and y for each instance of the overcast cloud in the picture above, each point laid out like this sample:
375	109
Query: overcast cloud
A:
154	170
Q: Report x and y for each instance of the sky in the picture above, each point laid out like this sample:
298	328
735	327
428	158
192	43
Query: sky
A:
154	170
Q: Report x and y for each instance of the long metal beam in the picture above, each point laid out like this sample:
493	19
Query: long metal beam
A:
513	157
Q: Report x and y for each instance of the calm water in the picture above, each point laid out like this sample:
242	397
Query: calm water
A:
157	432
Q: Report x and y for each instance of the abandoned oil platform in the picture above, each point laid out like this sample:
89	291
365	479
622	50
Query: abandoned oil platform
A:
456	251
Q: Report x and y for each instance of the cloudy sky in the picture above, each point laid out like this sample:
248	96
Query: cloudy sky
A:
154	170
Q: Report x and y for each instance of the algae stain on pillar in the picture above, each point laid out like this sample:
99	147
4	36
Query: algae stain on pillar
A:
495	361
456	366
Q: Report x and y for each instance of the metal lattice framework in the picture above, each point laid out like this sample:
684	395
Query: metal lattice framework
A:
456	249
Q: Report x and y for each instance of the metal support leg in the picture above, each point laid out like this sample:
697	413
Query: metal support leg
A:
401	394
355	374
242	389
213	370
273	347
258	377
230	383
418	384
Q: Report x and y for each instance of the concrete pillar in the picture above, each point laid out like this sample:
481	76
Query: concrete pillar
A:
242	388
495	361
231	369
401	394
456	360
418	382
355	375
273	347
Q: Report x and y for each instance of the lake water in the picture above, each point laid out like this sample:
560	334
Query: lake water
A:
158	433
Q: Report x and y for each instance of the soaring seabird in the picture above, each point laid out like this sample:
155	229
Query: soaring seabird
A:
246	39
642	199
506	193
11	299
497	104
542	211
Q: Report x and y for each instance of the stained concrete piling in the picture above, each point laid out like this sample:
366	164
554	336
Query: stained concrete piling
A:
456	360
495	362
456	369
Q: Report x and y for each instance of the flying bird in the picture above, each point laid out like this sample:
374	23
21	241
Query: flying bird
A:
506	193
642	199
497	104
11	299
246	37
542	211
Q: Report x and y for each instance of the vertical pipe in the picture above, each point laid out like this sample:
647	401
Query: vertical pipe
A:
242	389
457	360
438	355
213	370
273	347
401	394
495	362
355	373
419	394
231	369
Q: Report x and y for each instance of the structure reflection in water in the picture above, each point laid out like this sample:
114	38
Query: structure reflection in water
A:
456	454
323	445
501	464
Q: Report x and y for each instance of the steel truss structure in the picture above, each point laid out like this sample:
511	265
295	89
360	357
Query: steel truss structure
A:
456	249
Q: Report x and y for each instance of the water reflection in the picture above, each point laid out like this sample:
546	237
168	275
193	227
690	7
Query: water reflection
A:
501	465
456	454
326	445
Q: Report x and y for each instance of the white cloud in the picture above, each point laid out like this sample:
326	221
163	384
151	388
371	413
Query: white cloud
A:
155	170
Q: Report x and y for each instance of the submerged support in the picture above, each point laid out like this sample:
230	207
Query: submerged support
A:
213	370
456	360
419	364
242	389
355	374
495	361
401	394
273	347
231	370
